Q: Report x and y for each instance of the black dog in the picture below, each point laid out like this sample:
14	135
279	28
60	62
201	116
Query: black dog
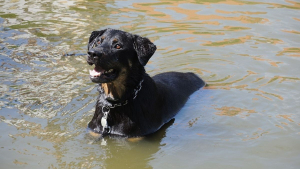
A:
131	103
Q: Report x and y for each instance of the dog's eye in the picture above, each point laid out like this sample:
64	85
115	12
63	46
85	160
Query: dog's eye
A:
117	46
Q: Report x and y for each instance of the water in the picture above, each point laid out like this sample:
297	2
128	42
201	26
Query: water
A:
247	51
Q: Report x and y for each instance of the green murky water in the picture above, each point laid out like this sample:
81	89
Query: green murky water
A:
247	51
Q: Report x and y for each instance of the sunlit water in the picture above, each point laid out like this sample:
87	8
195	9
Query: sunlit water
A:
247	51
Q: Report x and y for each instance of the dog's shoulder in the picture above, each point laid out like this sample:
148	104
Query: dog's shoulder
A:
176	87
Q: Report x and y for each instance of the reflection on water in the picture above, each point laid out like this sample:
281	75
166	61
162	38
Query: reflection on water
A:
247	51
233	111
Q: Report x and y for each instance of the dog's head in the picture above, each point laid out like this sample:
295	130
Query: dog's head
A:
115	52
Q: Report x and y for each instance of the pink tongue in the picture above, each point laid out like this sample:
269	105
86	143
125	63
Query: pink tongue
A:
94	73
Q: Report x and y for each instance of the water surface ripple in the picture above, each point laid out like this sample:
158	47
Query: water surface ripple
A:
247	51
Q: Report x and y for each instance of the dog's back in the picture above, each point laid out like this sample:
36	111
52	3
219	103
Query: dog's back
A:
177	81
175	88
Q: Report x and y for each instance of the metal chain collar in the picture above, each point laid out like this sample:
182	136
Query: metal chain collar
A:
136	91
106	109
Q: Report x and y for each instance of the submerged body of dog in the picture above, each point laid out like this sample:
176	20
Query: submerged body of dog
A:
131	103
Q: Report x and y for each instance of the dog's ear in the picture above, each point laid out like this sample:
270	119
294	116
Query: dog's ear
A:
144	49
94	35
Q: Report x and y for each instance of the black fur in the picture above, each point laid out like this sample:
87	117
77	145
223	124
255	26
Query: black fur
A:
144	49
160	97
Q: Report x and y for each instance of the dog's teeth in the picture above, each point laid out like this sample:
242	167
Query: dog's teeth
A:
108	71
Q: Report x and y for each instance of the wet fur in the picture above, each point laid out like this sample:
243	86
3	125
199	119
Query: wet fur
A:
159	99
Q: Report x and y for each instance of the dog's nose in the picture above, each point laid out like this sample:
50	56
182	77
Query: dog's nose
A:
93	56
94	53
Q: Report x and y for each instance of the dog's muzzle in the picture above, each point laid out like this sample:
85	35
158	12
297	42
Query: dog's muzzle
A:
102	73
93	56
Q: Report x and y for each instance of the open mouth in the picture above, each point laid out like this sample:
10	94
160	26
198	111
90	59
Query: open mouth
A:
100	75
95	73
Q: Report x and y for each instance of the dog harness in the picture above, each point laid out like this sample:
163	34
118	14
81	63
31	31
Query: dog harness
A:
106	129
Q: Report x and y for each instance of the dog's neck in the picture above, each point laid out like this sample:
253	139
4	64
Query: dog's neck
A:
110	95
110	91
